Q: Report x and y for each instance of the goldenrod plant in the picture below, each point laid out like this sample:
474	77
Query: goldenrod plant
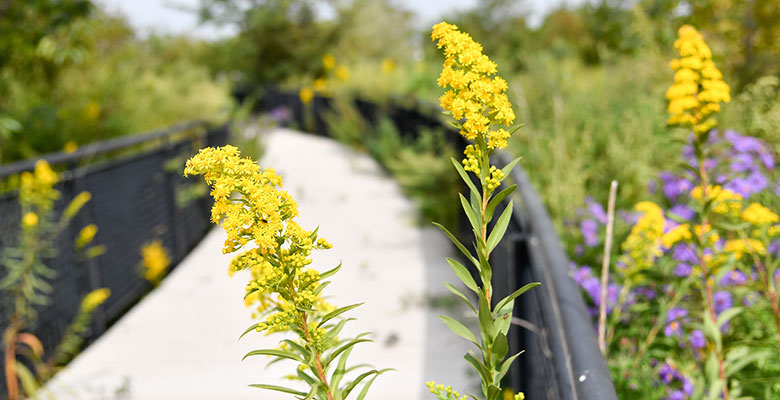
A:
155	261
476	99
25	285
287	294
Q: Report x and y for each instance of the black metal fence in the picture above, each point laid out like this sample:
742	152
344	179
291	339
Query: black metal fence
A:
138	195
561	359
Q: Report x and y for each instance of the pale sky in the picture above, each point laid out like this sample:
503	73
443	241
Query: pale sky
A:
167	16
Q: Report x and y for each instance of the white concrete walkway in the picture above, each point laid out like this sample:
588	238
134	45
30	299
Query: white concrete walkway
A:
180	342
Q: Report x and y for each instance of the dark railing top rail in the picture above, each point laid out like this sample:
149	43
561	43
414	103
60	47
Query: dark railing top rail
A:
93	149
584	365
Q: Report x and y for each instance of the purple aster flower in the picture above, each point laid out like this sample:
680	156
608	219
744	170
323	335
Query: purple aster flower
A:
590	231
744	144
742	162
685	253
596	210
682	211
676	395
767	159
645	291
593	287
722	300
582	273
673	185
733	278
667	373
674	321
631	218
697	339
683	270
280	114
687	386
774	247
757	182
739	185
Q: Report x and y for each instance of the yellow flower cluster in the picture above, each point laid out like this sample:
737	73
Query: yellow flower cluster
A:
476	94
155	261
739	247
85	236
444	392
698	87
263	214
94	299
643	244
259	213
756	214
724	201
676	234
37	188
30	220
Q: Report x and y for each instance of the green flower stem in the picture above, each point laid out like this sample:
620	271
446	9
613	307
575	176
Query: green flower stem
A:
703	265
307	336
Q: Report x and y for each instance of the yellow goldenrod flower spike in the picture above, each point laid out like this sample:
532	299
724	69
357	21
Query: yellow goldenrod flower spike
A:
475	94
30	219
94	299
155	261
306	95
756	214
85	236
698	87
643	244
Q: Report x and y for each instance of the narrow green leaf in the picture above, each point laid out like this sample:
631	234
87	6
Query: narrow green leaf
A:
515	128
463	274
457	244
504	317
300	349
493	392
314	388
341	368
727	315
306	377
329	273
455	125
496	200
321	286
486	323
472	216
278	389
734	366
478	366
344	348
500	228
508	169
466	178
336	313
506	364
460	295
711	330
500	347
250	329
364	392
273	352
459	329
516	294
348	389
332	333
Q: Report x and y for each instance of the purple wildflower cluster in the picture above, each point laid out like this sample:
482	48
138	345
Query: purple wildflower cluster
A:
746	159
739	163
674	379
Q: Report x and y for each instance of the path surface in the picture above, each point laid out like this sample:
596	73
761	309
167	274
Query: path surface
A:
180	342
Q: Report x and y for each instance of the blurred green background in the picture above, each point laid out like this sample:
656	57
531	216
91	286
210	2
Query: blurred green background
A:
588	80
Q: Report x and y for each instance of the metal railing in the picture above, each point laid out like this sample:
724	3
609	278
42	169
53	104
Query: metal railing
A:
138	195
